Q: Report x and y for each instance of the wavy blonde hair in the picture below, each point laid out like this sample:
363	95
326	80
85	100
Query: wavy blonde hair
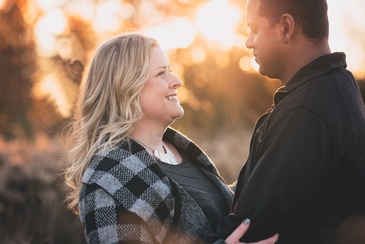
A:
108	104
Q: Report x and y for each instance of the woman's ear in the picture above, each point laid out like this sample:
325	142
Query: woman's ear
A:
288	26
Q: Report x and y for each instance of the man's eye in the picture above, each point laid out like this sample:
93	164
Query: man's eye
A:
254	31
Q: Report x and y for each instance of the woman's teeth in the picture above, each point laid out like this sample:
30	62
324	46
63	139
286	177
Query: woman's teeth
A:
171	97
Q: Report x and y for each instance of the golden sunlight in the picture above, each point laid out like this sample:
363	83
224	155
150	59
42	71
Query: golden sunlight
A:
49	87
216	21
50	25
245	63
106	16
178	33
347	32
79	8
2	4
198	55
220	22
48	5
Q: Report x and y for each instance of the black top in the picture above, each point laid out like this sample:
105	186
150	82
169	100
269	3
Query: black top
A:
200	188
305	174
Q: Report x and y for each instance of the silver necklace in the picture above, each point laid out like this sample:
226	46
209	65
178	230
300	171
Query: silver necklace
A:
167	157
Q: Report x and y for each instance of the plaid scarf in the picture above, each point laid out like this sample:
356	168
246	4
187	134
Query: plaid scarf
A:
126	196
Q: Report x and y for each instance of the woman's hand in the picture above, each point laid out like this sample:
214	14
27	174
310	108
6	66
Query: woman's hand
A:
234	238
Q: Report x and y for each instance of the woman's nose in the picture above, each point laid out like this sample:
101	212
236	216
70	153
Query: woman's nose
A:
175	82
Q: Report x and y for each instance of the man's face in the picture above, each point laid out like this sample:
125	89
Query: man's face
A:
265	40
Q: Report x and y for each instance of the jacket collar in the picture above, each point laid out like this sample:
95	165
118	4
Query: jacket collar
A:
317	67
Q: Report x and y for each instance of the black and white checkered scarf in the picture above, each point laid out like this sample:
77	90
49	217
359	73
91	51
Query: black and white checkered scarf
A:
126	196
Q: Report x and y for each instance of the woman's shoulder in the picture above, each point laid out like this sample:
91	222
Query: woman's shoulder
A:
125	168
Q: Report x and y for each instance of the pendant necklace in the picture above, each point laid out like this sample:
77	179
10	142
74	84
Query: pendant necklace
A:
168	157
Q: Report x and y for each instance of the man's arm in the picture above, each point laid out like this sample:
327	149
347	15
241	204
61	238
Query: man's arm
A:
288	177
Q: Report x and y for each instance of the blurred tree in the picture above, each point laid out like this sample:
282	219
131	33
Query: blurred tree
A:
222	96
217	89
17	65
31	194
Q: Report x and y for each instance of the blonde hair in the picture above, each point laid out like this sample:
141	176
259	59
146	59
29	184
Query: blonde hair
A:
108	104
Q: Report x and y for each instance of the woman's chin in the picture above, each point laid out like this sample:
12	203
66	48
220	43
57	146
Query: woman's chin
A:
177	115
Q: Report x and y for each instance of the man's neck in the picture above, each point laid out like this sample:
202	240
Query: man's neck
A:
303	55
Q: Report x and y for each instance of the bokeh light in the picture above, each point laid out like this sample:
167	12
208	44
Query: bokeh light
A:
347	32
2	4
177	33
217	21
50	84
47	5
106	16
48	27
215	26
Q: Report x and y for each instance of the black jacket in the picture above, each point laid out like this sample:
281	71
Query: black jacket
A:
305	174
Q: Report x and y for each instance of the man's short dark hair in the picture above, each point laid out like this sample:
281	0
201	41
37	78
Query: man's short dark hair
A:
311	15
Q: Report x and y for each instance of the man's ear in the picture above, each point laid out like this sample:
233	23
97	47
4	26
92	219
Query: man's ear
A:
288	26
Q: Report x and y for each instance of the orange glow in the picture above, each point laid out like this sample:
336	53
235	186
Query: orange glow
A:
50	87
198	55
222	60
177	33
84	11
216	21
2	4
48	5
106	16
50	25
245	63
347	30
248	64
254	65
183	94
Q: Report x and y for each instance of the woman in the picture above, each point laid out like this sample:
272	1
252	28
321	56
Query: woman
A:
128	166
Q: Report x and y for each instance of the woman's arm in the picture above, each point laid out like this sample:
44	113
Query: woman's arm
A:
106	221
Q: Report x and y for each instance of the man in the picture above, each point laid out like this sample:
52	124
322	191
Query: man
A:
305	174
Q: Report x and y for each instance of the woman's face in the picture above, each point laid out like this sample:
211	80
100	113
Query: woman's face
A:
159	95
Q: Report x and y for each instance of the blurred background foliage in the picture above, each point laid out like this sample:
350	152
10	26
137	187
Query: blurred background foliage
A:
45	49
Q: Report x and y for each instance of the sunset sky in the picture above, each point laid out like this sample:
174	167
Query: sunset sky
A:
217	20
219	23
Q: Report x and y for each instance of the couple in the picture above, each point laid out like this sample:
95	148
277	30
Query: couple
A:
136	180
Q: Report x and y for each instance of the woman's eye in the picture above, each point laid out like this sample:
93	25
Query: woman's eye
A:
162	73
